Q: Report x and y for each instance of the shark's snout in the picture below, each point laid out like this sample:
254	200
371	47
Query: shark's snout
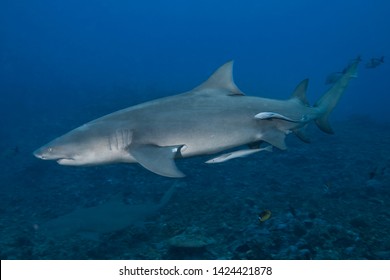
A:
38	154
46	153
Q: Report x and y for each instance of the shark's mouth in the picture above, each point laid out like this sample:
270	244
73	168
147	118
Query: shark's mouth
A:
66	161
38	154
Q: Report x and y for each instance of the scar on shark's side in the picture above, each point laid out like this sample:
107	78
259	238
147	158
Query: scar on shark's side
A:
211	118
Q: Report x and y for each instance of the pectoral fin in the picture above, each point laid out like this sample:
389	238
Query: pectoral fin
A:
159	160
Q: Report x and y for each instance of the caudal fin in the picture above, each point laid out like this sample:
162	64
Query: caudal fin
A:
329	100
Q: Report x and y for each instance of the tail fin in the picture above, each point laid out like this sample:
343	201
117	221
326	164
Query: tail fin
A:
329	100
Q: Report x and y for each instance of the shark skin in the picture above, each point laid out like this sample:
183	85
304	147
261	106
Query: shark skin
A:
209	119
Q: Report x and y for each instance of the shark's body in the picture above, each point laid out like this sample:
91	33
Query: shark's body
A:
211	118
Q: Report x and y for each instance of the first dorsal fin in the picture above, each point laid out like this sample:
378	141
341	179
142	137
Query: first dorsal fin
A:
222	78
300	92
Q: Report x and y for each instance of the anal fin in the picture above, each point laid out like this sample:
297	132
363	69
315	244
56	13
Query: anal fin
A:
300	133
275	138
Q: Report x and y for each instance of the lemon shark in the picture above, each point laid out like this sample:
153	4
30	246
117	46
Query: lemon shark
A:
107	217
213	117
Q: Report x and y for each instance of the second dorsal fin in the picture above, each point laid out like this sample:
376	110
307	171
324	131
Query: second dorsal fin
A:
300	92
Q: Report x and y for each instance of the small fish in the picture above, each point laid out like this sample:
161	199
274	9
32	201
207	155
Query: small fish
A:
265	215
375	62
327	186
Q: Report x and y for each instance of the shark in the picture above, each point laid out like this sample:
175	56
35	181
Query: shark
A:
211	118
110	216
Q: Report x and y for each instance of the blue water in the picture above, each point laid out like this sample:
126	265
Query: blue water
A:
63	63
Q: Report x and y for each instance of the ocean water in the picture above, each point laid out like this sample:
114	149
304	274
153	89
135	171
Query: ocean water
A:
64	63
